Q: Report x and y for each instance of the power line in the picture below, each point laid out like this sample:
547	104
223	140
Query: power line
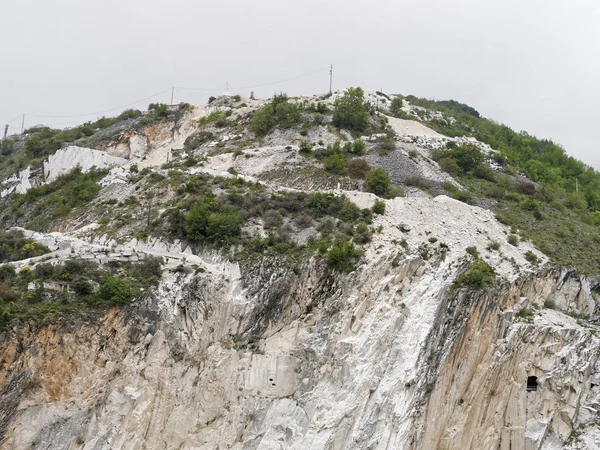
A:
199	89
16	118
172	89
281	81
100	112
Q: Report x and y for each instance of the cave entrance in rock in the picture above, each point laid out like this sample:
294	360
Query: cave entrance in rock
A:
532	384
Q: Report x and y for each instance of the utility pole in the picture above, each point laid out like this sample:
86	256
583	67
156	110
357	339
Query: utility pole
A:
5	131
330	77
23	124
576	185
172	94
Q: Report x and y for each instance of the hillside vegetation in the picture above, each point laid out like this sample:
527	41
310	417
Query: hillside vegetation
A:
550	197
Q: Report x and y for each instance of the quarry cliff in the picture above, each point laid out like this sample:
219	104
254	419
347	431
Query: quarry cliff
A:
349	271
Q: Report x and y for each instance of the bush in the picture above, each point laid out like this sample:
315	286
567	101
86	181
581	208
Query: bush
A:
530	204
479	276
350	110
377	181
278	112
343	255
7	294
396	107
494	245
205	226
159	109
362	234
357	168
7	272
337	164
14	246
378	207
350	212
473	252
513	239
115	291
468	157
272	219
385	144
531	257
197	139
305	147
525	313
359	147
449	165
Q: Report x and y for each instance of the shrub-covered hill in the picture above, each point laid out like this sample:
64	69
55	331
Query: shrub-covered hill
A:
544	194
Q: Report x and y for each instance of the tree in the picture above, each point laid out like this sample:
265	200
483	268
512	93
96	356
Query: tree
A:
350	111
396	106
377	181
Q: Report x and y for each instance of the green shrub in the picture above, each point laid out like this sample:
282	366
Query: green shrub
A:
525	313
272	219
197	139
529	204
14	247
349	212
473	252
278	112
7	272
57	199
468	157
205	226
343	256
377	181
362	234
378	207
513	239
396	107
305	147
359	147
531	257
480	275
159	109
350	111
385	144
115	291
337	164
494	245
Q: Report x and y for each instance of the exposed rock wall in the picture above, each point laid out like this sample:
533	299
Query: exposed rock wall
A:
72	156
265	358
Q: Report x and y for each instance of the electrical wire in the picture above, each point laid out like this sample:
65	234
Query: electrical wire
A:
280	81
100	112
159	93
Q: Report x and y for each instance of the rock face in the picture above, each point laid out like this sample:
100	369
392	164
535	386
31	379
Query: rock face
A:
72	156
261	355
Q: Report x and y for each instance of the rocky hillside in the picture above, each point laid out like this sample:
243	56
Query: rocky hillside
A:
348	271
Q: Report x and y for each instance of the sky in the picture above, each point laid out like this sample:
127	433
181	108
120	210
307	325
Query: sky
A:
530	64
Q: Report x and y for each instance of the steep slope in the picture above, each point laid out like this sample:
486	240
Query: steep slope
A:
261	340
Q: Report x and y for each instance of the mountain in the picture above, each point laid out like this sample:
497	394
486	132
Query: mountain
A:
356	270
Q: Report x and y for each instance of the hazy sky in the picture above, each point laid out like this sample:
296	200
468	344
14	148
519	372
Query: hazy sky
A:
531	64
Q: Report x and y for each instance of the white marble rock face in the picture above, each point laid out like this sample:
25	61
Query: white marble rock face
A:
259	356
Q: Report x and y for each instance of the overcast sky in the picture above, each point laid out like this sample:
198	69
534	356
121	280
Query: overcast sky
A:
532	64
